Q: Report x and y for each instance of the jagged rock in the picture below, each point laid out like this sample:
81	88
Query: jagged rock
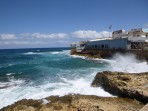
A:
130	85
23	108
77	103
24	105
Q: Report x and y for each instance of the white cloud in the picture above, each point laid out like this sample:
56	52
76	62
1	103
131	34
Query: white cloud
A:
7	36
90	34
33	36
21	42
49	36
146	25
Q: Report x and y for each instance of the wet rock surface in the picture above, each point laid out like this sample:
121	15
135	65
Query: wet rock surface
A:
108	53
131	85
76	103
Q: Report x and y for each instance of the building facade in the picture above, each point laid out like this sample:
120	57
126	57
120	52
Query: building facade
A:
121	39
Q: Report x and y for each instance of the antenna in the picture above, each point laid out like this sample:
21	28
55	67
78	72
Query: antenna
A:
109	29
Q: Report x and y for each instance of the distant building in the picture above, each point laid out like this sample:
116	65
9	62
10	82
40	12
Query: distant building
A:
79	45
121	39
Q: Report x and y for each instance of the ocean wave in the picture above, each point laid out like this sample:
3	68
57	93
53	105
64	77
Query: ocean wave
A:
77	56
63	87
32	53
122	63
8	74
97	60
127	63
11	82
55	52
64	52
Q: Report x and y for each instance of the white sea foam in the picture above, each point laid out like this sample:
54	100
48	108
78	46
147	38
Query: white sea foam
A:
32	53
9	90
8	74
77	56
55	52
127	63
45	101
11	82
65	86
123	63
64	52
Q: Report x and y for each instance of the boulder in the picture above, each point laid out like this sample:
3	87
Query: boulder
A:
130	85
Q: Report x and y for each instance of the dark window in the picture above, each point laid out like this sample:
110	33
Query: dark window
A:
102	46
96	46
81	45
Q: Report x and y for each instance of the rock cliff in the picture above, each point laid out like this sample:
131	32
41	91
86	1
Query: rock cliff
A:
129	85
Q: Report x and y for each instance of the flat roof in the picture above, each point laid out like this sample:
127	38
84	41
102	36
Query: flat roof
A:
99	39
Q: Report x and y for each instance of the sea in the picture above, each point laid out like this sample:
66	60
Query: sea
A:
42	72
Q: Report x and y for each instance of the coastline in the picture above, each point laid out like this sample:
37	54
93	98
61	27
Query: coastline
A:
110	81
76	102
140	54
65	104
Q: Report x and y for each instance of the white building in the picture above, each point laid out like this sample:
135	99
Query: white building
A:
121	39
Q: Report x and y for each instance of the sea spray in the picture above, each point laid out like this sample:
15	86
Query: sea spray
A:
127	63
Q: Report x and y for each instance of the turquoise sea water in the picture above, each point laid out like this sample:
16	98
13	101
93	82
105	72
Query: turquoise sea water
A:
38	73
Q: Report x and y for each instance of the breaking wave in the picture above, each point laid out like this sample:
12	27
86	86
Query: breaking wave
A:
17	89
122	63
127	63
64	52
31	53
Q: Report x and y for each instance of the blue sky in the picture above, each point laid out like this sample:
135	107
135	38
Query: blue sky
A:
57	23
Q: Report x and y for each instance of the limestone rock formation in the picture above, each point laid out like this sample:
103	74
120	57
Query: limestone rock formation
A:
76	103
130	85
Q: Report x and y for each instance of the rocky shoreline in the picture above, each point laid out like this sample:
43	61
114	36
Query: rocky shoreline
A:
139	54
131	89
131	85
76	103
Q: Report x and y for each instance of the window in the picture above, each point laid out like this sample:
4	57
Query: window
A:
95	46
102	46
106	46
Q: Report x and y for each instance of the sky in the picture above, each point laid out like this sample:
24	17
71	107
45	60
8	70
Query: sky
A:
57	23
